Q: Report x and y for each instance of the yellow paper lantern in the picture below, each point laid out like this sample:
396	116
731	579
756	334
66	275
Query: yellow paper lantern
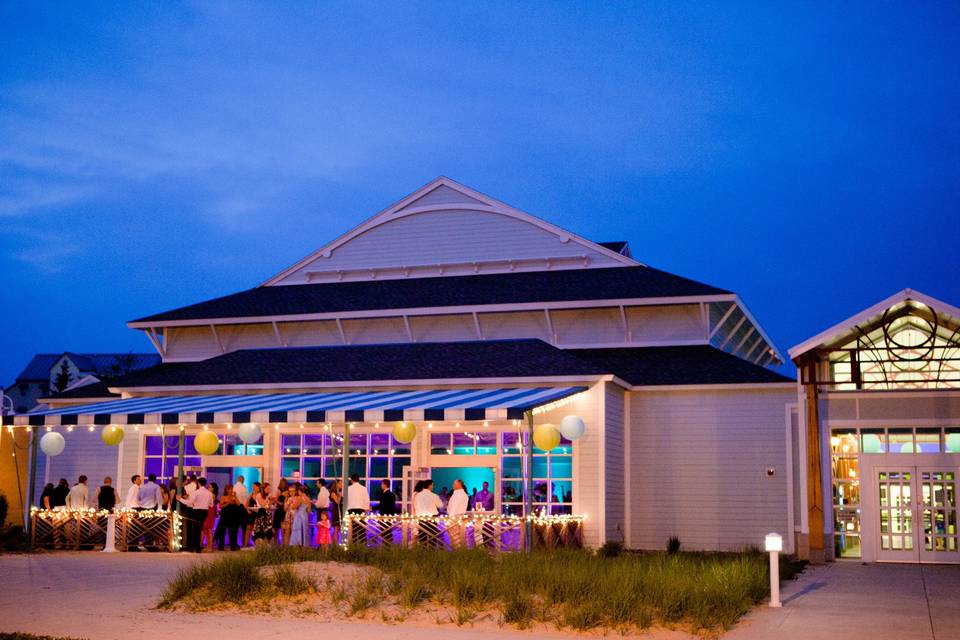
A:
112	435
404	432
546	436
206	443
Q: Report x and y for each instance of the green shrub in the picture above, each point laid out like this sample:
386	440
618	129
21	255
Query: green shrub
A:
610	549
673	545
517	609
290	583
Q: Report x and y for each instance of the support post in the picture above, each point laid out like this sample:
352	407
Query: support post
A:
344	479
180	470
34	446
110	546
775	580
528	490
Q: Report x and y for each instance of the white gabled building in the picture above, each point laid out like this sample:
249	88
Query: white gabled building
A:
460	313
879	397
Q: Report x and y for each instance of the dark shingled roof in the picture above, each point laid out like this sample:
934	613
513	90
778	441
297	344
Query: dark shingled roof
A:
691	364
454	360
500	288
94	390
351	363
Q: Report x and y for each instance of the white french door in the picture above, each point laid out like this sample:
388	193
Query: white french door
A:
917	513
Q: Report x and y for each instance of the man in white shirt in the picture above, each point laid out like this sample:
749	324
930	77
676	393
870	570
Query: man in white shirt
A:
323	496
240	490
191	485
197	505
133	493
358	503
150	496
426	506
456	507
76	499
78	495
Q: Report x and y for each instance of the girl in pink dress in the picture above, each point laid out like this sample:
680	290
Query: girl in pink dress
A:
323	529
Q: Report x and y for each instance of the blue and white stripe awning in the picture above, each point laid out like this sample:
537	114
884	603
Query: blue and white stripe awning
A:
362	406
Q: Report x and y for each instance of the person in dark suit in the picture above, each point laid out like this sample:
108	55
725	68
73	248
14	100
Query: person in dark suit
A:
387	507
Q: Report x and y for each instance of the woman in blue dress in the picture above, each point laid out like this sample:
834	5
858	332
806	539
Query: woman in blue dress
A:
300	505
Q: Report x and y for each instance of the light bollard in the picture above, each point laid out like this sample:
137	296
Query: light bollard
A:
111	544
774	545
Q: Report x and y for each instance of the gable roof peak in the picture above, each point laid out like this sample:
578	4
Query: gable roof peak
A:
838	330
469	199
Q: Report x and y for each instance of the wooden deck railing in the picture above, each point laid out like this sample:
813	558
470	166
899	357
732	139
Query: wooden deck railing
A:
81	529
473	530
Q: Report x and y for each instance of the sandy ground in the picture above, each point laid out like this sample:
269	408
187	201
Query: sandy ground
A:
112	597
106	596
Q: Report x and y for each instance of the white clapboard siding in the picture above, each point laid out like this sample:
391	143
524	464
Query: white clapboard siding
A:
587	462
445	328
375	331
681	322
446	237
523	324
698	467
614	477
442	195
585	326
309	334
85	454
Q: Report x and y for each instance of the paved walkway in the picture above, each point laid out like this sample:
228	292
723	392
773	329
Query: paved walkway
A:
105	597
851	601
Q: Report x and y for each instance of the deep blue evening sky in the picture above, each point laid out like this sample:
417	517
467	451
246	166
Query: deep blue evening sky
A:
152	156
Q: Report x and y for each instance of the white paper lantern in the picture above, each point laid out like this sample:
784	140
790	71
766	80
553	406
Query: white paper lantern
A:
52	443
572	427
249	432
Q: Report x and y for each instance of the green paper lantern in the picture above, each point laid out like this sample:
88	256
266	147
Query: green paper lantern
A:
206	443
872	444
112	435
546	436
953	443
404	432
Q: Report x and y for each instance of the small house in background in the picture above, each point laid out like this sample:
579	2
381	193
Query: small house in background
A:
51	373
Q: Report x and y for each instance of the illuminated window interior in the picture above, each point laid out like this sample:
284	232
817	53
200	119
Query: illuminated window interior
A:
909	347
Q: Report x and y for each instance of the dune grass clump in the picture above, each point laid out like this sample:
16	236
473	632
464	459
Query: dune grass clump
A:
569	588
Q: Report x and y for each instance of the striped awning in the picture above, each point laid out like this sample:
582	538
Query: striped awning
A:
362	406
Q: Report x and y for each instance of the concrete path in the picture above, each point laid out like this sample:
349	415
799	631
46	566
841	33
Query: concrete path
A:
851	601
105	597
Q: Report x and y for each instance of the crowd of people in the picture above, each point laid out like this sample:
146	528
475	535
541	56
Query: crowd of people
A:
236	517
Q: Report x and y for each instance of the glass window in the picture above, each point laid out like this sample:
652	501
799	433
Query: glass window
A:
900	441
512	467
552	473
873	441
379	467
511	442
927	440
398	464
464	444
846	533
844	441
290	444
487	443
313	444
440	444
952	440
